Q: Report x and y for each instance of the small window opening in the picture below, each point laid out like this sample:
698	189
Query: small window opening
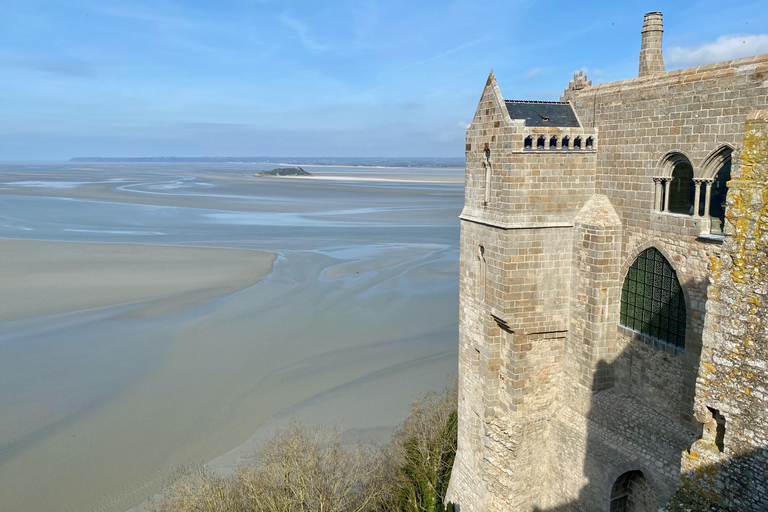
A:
528	143
590	142
577	143
719	426
682	189
566	142
540	143
553	143
488	172
481	273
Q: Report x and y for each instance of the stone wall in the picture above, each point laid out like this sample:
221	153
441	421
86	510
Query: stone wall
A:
558	403
727	468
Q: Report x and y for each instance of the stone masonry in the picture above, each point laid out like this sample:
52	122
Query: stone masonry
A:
580	389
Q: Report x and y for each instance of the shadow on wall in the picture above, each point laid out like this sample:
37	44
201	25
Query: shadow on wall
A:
702	490
639	421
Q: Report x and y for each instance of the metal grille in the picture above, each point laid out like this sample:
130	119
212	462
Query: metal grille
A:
652	301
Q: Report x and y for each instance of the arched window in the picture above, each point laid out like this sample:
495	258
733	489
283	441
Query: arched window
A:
682	190
590	142
540	143
577	143
553	143
566	141
718	197
633	493
652	300
528	143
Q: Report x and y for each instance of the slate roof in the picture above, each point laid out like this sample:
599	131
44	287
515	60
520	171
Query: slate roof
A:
543	113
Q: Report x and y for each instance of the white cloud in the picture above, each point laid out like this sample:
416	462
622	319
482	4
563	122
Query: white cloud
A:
534	72
303	33
733	46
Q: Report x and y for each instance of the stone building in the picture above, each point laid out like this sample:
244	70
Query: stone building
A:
612	321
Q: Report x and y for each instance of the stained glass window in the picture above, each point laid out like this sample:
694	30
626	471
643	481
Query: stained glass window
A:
652	301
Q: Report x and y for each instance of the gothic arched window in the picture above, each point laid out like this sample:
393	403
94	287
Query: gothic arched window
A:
681	193
717	201
652	300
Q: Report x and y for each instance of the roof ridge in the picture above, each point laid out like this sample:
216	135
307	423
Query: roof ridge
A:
537	101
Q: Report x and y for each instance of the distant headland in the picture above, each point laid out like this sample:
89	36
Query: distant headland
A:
435	162
285	171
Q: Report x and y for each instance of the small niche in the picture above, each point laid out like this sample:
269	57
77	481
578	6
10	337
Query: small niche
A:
718	427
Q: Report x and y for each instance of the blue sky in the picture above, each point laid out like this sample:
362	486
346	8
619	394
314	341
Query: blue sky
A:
314	78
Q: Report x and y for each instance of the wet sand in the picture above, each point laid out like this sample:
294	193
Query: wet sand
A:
45	278
122	362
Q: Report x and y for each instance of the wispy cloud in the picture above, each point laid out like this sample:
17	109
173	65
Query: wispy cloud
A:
444	54
303	33
533	72
728	47
150	16
64	66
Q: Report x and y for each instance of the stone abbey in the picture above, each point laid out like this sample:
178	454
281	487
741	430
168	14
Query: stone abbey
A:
613	294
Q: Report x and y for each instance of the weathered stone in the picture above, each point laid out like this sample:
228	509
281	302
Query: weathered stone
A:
560	405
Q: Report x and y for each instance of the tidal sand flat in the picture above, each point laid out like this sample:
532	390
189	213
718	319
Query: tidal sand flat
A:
46	278
105	394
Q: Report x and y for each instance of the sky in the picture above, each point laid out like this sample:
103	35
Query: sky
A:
315	78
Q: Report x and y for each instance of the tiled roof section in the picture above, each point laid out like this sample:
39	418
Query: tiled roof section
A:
543	113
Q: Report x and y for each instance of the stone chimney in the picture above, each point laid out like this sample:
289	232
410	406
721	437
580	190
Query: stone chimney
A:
650	48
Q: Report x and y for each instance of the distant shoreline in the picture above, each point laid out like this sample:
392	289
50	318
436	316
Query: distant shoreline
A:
381	162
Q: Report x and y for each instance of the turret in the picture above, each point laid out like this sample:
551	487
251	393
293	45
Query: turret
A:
651	60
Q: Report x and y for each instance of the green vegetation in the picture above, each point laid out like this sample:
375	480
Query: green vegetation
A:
307	469
285	171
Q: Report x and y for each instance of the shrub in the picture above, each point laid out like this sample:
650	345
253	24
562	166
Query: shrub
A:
307	469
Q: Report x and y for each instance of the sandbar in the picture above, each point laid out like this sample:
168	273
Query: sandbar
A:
44	278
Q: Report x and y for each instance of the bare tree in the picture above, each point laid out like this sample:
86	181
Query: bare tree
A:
306	469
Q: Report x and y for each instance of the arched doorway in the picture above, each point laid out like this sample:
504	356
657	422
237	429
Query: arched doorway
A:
633	493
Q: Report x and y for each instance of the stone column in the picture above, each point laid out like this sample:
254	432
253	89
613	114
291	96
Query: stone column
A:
697	197
658	192
708	182
667	182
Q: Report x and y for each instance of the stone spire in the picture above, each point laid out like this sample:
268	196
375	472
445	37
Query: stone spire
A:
651	60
